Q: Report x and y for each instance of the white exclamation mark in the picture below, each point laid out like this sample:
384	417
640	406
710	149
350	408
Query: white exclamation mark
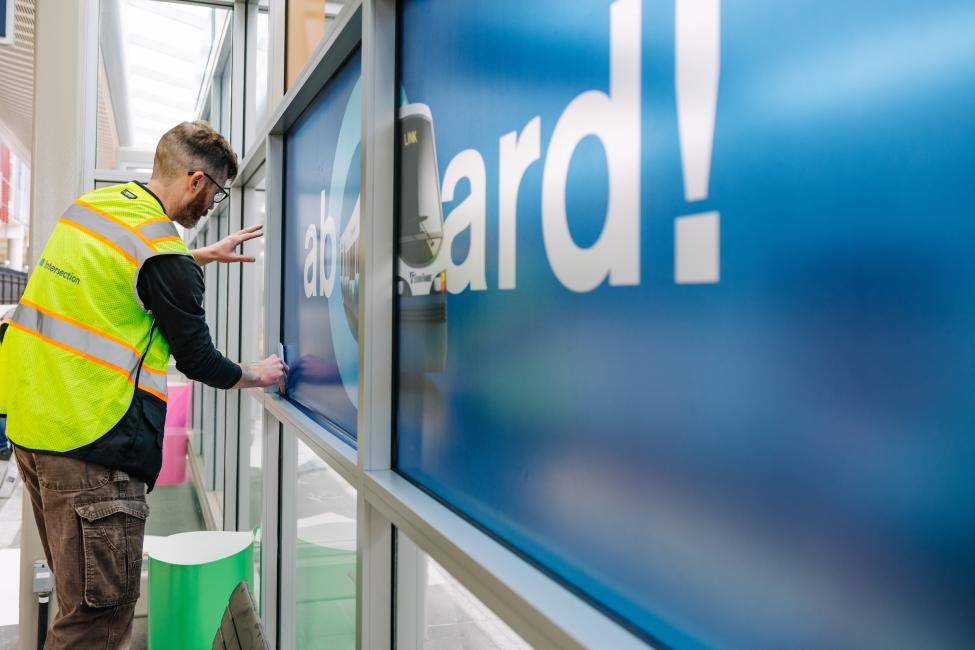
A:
698	60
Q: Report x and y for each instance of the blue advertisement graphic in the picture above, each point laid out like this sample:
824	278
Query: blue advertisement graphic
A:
686	303
321	277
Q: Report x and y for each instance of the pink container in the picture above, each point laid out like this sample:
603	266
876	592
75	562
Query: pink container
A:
173	470
178	409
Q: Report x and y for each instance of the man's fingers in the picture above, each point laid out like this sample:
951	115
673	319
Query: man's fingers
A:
236	257
250	232
283	381
247	236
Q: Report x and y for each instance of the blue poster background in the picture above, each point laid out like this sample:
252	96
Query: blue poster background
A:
779	459
322	156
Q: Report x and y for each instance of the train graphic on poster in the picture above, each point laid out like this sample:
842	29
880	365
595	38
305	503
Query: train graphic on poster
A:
421	281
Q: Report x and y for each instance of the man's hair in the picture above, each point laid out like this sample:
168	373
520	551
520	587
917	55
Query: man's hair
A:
190	146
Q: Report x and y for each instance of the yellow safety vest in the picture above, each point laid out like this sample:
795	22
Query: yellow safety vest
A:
80	342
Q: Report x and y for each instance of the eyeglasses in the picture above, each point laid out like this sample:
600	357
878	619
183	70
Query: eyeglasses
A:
219	196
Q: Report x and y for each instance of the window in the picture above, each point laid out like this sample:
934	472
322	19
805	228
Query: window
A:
308	22
435	611
14	209
321	222
325	556
145	85
258	67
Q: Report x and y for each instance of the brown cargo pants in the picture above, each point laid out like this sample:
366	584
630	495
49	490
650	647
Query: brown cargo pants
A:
92	521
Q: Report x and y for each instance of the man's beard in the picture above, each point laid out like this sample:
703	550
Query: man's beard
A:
192	212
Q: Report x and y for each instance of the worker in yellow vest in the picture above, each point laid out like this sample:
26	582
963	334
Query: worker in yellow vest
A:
115	291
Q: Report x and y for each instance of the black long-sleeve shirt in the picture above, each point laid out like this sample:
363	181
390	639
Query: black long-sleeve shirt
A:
171	287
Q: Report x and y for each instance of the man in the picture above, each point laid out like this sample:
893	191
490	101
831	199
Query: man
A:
114	293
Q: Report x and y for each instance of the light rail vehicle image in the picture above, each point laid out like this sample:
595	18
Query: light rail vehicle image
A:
421	280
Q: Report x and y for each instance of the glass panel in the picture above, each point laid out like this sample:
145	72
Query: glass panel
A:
145	85
220	336
321	233
436	612
251	479
194	434
258	53
766	448
325	558
252	275
225	114
308	22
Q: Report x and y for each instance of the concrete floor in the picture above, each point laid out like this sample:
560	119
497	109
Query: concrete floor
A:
173	509
8	637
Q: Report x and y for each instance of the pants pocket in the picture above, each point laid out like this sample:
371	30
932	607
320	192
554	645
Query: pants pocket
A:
63	474
112	533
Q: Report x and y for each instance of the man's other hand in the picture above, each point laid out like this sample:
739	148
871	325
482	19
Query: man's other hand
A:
269	372
225	250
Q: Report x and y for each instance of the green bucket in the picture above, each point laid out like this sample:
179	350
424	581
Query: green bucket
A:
191	577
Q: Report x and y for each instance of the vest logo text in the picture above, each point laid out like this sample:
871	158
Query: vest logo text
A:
61	273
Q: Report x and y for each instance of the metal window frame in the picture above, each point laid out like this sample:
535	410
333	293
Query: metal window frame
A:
287	536
375	535
275	502
229	60
218	4
271	527
119	176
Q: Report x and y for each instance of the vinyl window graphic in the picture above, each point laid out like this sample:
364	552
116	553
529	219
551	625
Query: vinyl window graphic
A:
421	279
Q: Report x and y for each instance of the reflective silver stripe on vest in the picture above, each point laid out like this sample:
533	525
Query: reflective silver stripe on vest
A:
117	234
79	339
158	230
152	380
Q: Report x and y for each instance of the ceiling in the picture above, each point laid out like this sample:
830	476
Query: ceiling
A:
17	83
17	71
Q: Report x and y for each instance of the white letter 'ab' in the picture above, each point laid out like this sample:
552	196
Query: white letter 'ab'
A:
615	120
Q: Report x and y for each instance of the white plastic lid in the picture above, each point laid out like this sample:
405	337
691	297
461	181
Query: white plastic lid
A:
197	547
